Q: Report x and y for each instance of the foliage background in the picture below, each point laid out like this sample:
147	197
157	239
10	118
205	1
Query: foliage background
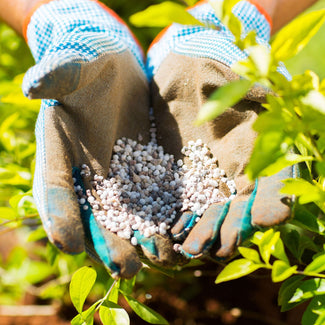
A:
33	272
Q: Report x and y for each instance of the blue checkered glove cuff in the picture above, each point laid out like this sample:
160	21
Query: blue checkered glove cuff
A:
205	42
76	29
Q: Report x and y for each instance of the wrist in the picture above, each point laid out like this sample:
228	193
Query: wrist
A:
266	8
13	13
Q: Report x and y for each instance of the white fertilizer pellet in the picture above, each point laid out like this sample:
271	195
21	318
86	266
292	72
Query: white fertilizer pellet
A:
145	188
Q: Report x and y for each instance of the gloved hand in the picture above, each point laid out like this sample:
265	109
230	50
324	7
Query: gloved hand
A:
187	64
90	74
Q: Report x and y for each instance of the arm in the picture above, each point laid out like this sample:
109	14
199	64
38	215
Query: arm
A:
72	71
14	12
283	11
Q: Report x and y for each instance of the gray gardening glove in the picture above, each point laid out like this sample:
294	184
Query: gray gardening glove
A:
187	64
231	139
91	78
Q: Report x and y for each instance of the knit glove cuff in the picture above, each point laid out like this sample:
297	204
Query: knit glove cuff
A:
213	43
62	25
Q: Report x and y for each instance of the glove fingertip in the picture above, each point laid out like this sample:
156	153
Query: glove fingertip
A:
51	80
118	255
183	225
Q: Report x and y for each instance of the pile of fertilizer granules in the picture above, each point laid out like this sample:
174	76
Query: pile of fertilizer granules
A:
145	188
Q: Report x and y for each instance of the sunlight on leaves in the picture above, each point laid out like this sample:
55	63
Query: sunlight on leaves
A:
162	15
294	37
237	269
81	283
145	312
222	99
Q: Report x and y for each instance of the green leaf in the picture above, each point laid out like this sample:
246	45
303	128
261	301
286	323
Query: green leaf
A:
162	15
228	5
308	289
222	99
250	254
7	213
249	40
320	168
81	283
321	317
307	243
268	243
302	84
37	234
77	320
218	7
306	219
15	175
315	100
267	150
279	251
321	145
145	312
314	313
292	241
86	317
284	161
257	237
15	201
294	37
235	27
126	286
113	314
304	140
287	290
261	58
113	295
237	269
317	265
16	97
281	271
223	9
52	253
306	191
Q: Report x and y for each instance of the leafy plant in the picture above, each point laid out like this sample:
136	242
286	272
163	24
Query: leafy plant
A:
293	120
290	132
109	310
38	269
162	15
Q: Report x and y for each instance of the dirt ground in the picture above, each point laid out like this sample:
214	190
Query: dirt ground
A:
196	301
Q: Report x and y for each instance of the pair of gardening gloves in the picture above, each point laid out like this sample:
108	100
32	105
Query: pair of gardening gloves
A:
94	86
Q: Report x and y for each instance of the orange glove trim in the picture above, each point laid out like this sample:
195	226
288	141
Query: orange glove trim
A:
110	11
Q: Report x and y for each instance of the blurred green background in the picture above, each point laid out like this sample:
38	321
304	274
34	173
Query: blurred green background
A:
312	57
33	272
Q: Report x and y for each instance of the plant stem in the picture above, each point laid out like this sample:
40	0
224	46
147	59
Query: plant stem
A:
31	216
310	142
101	301
12	229
312	274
